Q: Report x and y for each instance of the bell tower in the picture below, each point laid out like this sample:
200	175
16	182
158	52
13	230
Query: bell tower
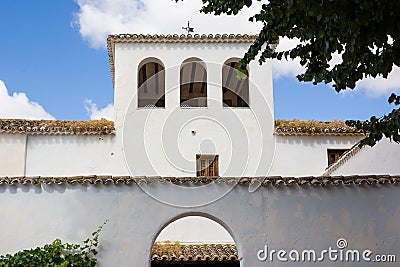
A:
183	108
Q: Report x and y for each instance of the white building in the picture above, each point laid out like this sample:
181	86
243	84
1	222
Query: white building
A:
181	112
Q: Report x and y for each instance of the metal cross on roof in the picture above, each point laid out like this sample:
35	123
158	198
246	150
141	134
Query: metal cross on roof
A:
188	28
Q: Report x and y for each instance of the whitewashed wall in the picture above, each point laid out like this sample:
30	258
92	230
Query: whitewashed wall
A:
383	158
306	155
41	155
72	155
12	154
307	217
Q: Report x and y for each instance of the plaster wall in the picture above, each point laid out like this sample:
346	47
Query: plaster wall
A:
279	217
306	155
383	158
12	154
69	155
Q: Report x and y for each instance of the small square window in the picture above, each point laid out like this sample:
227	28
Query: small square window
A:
207	165
334	155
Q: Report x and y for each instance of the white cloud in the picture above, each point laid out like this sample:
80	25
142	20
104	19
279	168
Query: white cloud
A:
18	106
380	86
98	18
372	86
283	68
95	113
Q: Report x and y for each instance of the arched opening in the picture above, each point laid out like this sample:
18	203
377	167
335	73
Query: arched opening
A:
151	84
193	83
194	241
235	85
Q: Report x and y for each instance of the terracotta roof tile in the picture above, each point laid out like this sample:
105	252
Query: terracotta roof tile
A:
181	38
269	181
103	127
311	127
56	127
176	251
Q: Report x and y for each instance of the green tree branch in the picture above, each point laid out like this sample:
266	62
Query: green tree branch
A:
366	33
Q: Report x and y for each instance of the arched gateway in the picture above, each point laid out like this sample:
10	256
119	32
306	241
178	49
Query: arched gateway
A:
194	240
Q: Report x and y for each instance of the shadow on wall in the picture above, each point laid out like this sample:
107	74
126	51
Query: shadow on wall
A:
317	140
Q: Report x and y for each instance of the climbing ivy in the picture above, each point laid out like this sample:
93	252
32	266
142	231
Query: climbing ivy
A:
57	254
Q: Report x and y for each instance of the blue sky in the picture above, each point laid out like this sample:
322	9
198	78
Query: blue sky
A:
53	53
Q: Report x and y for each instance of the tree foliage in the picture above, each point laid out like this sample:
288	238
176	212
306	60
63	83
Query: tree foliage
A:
376	128
56	254
366	33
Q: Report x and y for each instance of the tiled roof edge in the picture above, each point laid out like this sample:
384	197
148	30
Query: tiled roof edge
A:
263	180
112	39
355	134
176	251
56	127
181	38
105	127
314	128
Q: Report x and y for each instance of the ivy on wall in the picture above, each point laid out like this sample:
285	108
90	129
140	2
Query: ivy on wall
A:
57	254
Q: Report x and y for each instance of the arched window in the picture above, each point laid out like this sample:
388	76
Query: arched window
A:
151	83
235	86
193	83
